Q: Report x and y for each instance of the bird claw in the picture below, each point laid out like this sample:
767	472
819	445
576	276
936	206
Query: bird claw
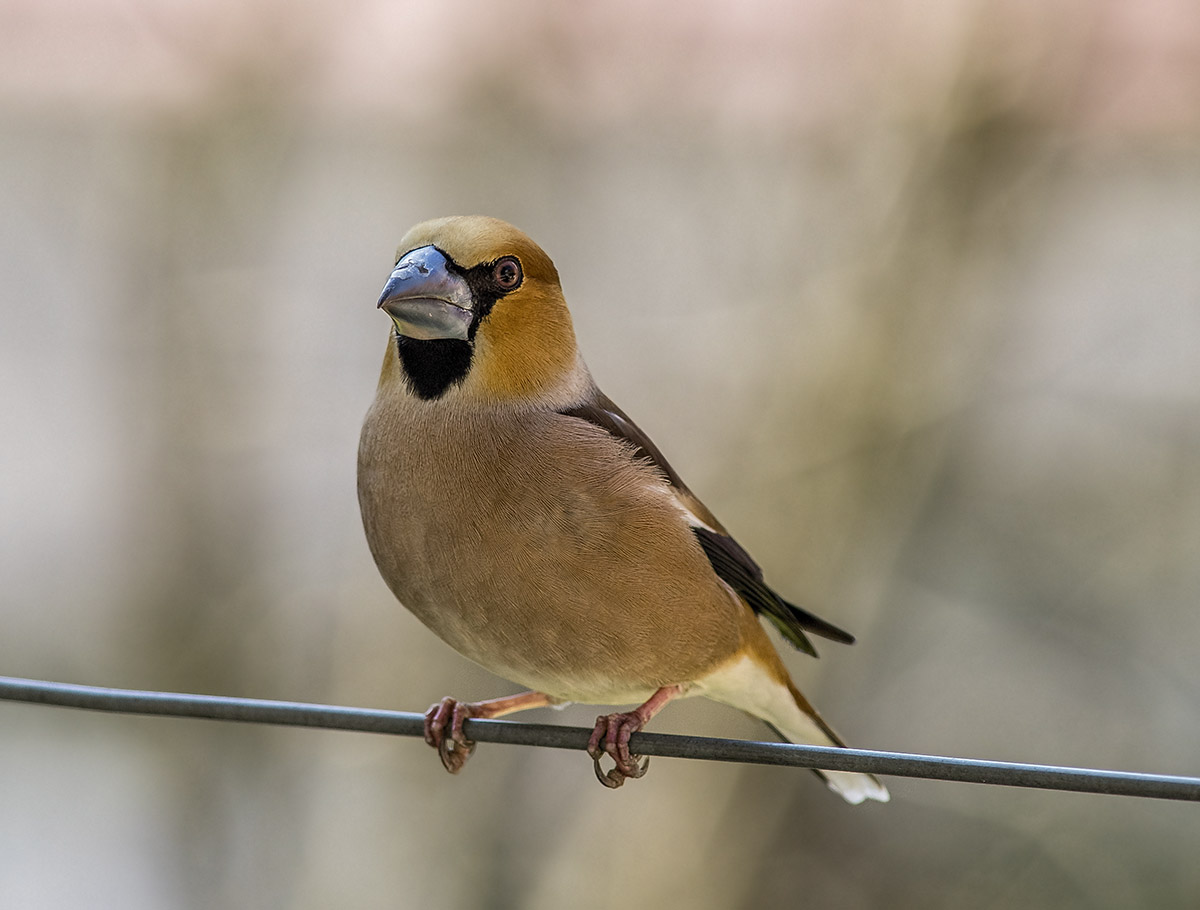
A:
615	777
452	746
611	737
454	753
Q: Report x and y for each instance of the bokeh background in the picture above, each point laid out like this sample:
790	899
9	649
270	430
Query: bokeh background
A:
909	293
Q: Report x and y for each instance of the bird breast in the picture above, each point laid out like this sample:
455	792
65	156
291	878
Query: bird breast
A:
537	546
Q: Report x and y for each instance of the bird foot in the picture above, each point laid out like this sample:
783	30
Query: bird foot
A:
452	745
611	737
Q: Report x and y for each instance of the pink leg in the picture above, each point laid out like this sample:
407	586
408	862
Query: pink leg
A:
454	749
614	731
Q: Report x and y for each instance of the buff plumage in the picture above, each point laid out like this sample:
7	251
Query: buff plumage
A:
528	522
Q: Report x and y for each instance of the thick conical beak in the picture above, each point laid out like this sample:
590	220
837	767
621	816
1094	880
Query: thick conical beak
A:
425	299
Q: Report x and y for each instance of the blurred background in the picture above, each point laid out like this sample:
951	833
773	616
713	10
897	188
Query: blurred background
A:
909	293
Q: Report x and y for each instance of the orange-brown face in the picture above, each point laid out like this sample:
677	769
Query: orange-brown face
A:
478	312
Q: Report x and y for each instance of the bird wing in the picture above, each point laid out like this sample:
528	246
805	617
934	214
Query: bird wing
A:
728	558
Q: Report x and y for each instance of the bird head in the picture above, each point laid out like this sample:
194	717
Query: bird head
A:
479	314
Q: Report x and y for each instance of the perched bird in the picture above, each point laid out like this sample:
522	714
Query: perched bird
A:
526	520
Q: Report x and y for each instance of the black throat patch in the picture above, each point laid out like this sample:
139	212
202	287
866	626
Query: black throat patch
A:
432	367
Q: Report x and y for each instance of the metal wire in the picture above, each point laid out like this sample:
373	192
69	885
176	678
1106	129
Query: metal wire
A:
400	723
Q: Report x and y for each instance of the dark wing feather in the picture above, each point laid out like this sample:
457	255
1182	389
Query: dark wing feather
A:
729	560
740	572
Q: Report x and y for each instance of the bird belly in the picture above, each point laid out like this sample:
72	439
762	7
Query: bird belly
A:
584	584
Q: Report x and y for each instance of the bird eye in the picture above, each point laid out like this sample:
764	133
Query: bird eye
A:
507	273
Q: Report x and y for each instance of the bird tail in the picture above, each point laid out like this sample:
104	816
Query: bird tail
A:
805	726
757	683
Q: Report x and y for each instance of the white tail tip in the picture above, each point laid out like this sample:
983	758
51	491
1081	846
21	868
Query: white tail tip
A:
856	788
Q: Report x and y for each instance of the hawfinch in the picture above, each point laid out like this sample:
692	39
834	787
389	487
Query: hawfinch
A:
526	520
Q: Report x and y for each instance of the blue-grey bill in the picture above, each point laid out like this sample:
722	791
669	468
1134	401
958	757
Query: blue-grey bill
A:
426	319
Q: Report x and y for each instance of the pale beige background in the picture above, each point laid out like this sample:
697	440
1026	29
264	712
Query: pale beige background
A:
909	293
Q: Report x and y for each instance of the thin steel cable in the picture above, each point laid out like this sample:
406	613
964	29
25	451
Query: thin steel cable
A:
400	723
